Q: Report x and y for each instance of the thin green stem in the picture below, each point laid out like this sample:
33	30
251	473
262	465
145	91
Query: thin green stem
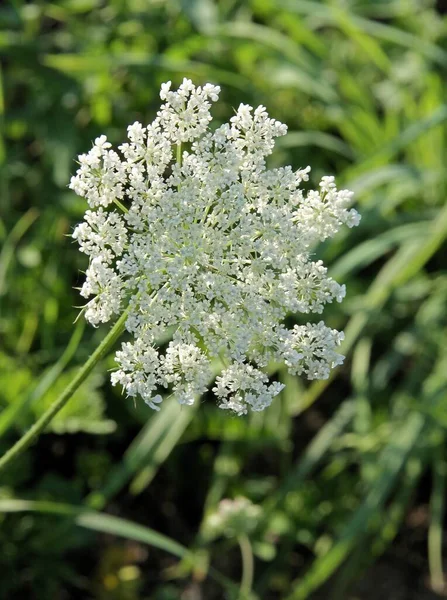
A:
120	205
247	566
81	375
179	154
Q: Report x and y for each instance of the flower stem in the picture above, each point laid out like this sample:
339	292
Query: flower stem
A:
179	154
81	375
120	205
247	566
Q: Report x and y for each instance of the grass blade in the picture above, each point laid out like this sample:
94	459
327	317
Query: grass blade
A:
147	451
97	521
100	522
10	414
9	246
313	454
392	460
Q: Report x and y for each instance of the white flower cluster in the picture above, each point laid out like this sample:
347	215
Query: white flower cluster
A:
189	229
232	518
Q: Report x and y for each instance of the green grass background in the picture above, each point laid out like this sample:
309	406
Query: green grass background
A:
347	471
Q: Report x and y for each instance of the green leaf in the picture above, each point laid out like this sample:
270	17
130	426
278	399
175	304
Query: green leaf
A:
97	521
100	522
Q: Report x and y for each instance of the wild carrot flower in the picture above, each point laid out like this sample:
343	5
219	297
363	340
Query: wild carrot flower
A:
189	229
232	518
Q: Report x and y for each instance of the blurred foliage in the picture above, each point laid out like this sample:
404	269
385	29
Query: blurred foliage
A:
344	470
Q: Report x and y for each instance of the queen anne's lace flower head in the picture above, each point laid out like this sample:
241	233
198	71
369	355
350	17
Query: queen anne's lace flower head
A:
232	518
211	245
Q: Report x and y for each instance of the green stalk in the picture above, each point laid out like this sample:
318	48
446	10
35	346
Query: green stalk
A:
58	404
120	205
247	566
179	154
